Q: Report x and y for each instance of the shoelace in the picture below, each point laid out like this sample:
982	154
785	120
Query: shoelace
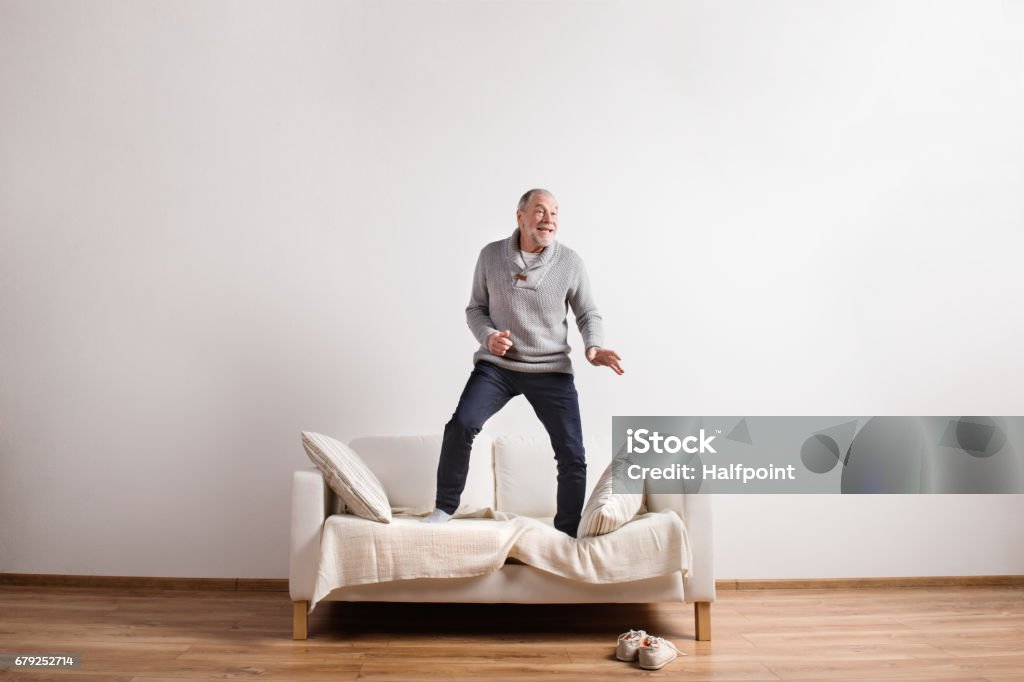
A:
633	636
655	642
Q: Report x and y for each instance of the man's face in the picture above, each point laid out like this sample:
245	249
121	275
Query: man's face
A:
538	222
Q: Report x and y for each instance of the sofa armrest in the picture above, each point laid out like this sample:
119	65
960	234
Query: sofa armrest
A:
312	503
695	511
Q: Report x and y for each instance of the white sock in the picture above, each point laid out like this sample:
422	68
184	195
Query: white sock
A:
437	516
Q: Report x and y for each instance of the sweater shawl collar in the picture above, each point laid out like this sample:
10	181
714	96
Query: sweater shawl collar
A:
523	277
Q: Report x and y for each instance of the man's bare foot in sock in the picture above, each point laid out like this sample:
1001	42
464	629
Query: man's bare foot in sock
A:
437	516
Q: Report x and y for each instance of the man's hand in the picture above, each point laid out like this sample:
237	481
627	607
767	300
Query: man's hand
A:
498	343
605	357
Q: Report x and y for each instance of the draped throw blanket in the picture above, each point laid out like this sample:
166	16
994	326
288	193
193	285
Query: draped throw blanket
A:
356	551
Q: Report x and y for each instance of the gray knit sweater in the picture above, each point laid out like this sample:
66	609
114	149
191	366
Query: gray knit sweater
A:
533	307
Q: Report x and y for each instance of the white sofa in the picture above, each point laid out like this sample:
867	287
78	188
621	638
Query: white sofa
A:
509	474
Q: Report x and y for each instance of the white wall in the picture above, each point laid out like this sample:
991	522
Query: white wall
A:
222	223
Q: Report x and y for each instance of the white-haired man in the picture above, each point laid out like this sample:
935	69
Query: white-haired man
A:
523	287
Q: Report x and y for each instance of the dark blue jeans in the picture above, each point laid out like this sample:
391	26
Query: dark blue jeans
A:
553	397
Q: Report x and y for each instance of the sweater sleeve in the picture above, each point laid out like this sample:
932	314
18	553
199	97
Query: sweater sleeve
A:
478	313
588	319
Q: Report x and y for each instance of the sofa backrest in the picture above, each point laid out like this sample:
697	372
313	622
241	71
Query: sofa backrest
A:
517	474
407	468
525	473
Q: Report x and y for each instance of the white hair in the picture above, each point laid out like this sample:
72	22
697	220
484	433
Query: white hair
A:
529	195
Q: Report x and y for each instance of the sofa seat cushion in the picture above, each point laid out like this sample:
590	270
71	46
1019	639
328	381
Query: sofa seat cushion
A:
354	551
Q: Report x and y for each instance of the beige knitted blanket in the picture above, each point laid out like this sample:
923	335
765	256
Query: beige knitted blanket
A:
356	551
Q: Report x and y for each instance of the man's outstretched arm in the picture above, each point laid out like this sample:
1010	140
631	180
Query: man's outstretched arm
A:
591	325
478	315
478	312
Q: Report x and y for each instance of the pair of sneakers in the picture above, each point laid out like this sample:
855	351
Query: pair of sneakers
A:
651	652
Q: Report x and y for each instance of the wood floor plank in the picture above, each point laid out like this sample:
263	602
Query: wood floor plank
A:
878	633
946	669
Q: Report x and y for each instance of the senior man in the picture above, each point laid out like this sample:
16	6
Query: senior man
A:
522	288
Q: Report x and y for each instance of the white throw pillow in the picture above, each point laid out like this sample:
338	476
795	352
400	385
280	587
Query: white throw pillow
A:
348	476
606	510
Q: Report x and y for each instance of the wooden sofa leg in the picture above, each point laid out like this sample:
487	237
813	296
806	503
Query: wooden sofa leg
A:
300	629
702	620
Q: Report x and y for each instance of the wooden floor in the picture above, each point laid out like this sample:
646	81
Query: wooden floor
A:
948	633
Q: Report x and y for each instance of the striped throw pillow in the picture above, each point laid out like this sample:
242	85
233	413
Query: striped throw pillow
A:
606	510
348	476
